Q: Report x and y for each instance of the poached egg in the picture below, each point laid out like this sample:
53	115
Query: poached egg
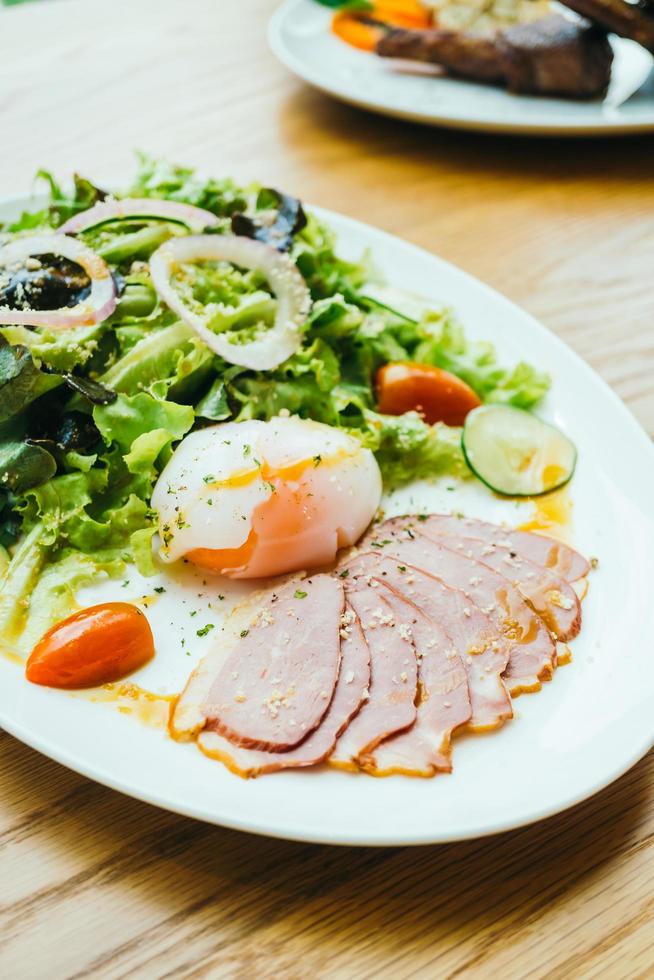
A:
254	499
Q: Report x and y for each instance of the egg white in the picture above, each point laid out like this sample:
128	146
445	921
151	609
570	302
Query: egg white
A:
209	496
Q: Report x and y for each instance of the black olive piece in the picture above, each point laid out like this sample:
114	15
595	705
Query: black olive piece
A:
58	283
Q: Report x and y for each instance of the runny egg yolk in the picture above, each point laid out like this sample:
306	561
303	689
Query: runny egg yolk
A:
303	491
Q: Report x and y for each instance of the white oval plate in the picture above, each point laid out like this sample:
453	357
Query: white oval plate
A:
300	37
583	730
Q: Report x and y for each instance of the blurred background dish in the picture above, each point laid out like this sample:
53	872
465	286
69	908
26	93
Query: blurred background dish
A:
403	85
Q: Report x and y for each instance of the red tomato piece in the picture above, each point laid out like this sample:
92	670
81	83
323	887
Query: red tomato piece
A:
436	394
95	646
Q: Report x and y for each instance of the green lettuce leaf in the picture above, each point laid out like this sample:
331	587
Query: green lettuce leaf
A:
142	427
157	178
445	345
166	362
62	351
408	449
21	380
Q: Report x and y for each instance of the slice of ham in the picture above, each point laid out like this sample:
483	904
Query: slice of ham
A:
547	592
390	703
271	681
353	681
532	655
546	552
443	703
473	635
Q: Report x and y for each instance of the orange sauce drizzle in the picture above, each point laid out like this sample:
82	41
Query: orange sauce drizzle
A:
132	699
552	514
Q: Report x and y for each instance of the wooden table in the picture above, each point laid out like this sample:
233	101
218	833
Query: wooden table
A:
93	883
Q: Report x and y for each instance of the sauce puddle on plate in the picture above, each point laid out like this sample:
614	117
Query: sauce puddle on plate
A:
552	514
132	699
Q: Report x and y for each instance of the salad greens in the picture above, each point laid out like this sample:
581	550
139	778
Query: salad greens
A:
89	416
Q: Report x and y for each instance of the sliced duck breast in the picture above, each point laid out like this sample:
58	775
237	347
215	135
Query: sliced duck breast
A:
549	553
390	703
473	635
443	703
352	684
532	651
269	684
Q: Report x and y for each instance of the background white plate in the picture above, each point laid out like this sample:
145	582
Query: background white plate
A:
300	37
587	727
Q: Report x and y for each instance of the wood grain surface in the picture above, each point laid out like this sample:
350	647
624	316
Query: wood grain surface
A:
95	884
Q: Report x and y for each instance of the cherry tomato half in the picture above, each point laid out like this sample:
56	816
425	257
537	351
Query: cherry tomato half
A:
438	395
95	646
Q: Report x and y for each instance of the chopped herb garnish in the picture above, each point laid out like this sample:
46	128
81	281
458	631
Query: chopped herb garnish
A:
299	594
344	573
209	478
317	460
205	629
401	568
159	589
244	633
247	450
422	517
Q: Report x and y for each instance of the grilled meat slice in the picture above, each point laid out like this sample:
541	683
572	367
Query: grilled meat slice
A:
555	56
468	55
552	56
632	20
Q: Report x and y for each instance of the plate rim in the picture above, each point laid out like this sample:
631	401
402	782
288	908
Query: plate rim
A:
276	43
279	829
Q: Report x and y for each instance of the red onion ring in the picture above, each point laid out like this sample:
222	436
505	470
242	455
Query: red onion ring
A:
97	307
273	346
196	219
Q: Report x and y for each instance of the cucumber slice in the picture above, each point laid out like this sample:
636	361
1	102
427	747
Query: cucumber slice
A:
516	454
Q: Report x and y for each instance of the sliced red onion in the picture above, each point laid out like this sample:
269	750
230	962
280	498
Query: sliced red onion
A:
196	219
96	307
272	347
